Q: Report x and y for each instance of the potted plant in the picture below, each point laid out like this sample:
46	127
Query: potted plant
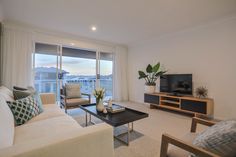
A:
201	92
150	77
99	95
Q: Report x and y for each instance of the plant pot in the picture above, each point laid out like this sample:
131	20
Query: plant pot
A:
99	105
150	89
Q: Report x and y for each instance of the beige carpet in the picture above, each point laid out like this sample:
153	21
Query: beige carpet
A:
145	141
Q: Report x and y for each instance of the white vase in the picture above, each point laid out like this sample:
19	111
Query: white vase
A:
100	106
150	89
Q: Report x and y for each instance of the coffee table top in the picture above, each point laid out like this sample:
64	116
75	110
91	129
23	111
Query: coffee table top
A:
115	119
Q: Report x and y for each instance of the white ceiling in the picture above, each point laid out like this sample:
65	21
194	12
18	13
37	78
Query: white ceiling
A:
118	21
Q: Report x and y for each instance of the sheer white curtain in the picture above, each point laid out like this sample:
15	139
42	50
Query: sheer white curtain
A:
120	74
16	57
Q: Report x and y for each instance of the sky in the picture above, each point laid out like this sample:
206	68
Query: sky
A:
75	66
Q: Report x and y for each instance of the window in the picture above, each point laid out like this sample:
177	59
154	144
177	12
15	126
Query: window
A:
53	68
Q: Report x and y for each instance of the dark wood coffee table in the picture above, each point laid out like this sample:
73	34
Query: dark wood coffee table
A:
115	119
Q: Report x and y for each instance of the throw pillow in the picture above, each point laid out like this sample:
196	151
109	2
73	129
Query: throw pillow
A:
20	92
73	91
219	139
39	102
24	109
19	88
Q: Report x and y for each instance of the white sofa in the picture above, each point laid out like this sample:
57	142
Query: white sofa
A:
51	134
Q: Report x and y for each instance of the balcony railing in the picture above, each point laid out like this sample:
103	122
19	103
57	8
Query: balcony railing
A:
87	85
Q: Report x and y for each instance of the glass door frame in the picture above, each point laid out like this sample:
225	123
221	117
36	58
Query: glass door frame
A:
59	63
99	69
57	54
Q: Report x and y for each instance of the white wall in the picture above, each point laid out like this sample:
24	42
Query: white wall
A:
208	52
1	13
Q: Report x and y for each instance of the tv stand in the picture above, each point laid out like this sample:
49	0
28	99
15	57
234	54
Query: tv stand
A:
180	103
175	94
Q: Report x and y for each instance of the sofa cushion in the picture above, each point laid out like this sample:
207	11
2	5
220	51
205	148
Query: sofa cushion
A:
45	128
6	124
24	109
73	90
219	139
6	93
174	151
50	111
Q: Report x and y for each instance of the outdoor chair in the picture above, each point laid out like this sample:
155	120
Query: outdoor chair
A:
71	97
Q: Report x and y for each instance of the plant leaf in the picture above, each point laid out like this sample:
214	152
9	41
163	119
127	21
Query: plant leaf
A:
156	67
160	73
141	74
142	77
149	68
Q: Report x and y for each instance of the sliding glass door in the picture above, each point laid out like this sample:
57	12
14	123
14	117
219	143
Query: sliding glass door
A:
46	61
79	66
56	65
106	73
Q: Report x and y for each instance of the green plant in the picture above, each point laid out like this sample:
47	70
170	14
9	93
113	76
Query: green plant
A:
152	74
99	94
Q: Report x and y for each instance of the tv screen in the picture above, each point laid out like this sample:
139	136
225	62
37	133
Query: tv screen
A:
176	84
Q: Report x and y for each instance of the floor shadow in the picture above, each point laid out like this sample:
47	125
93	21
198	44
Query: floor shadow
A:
121	129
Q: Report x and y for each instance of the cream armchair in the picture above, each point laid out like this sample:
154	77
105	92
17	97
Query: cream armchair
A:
70	103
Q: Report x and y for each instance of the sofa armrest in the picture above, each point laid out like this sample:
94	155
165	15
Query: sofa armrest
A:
167	139
96	140
48	98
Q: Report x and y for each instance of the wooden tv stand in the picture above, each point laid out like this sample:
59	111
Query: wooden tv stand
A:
184	104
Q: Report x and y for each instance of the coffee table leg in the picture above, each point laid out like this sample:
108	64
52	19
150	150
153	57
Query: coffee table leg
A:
86	119
90	121
128	134
129	130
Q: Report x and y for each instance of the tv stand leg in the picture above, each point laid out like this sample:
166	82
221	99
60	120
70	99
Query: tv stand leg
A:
152	106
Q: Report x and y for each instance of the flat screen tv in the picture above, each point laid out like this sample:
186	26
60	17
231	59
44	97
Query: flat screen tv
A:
176	84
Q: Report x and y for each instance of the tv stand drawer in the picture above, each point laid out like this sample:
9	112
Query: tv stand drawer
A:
194	106
152	99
